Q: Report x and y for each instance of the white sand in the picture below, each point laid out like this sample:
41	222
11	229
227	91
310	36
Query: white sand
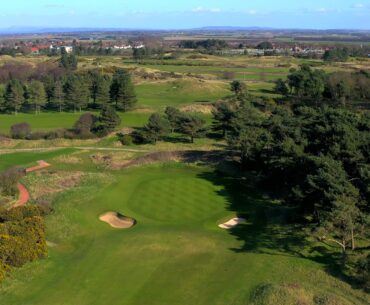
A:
231	223
117	221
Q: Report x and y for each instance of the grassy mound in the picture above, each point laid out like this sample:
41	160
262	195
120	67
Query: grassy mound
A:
269	294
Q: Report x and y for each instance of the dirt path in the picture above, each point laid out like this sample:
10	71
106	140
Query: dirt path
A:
24	195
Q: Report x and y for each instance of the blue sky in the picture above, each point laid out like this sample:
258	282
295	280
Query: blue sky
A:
164	14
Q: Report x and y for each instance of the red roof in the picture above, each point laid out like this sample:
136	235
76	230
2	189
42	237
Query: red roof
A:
34	49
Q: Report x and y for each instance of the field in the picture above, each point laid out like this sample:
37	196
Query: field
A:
176	253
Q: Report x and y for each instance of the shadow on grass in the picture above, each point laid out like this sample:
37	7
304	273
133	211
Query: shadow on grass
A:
270	227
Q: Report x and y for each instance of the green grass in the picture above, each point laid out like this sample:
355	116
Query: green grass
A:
176	93
54	120
175	254
27	158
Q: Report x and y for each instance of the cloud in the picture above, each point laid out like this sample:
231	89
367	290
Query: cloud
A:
201	9
53	5
252	12
358	5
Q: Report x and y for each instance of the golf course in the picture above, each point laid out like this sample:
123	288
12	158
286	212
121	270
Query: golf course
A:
176	253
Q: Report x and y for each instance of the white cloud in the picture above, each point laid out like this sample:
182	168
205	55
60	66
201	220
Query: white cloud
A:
358	5
252	12
201	9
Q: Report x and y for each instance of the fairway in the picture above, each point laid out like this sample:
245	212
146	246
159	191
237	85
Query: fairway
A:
175	254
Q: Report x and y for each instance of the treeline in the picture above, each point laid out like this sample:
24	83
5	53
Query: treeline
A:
343	54
72	91
161	125
316	158
316	86
209	44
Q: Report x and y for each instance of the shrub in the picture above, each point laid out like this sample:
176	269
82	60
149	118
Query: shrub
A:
125	139
20	131
85	124
8	181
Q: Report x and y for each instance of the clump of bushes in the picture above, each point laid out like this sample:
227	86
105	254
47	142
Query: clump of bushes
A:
86	127
20	131
22	237
8	181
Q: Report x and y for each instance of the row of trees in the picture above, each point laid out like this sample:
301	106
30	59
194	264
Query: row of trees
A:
73	92
316	158
160	125
310	85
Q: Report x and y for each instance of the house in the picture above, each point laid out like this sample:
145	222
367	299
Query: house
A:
35	51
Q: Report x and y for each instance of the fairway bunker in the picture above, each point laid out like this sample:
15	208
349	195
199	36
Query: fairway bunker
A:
232	223
117	220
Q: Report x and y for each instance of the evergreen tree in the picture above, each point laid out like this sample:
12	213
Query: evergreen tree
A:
157	127
191	125
2	98
173	115
58	95
76	92
14	96
108	120
122	91
100	89
36	95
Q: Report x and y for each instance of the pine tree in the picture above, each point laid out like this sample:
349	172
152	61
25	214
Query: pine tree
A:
100	89
58	95
36	95
14	96
76	92
122	91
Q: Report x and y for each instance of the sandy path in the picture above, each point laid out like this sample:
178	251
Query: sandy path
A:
24	195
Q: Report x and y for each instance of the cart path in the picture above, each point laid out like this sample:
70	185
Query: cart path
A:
24	195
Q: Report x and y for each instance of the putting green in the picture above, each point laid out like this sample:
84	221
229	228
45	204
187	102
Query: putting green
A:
175	254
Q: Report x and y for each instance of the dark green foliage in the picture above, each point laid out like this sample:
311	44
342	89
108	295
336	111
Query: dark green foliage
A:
265	45
107	121
122	91
238	88
318	161
307	83
76	92
36	95
157	127
173	115
281	87
223	115
337	54
68	61
209	44
100	89
192	126
125	139
14	96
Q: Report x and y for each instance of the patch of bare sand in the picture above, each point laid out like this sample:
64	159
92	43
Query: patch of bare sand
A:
232	223
117	221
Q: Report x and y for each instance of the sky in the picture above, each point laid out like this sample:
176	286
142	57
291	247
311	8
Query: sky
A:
180	14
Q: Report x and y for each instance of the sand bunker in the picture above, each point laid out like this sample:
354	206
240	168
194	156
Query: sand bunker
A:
117	221
231	223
